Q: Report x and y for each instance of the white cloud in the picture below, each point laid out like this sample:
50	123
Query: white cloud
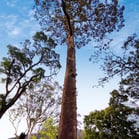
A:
15	32
11	3
31	14
10	25
18	28
10	21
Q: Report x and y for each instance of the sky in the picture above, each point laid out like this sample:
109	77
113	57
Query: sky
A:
17	24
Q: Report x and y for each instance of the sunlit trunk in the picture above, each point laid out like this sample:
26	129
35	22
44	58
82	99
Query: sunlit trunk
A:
68	117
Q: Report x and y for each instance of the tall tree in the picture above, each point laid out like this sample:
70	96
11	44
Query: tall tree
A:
23	66
76	22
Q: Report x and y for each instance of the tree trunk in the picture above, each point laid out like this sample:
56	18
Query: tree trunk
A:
68	117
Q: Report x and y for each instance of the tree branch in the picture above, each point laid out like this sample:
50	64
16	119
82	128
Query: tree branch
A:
68	17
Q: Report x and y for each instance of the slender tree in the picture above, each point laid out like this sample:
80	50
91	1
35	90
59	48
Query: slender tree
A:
38	103
23	66
14	119
76	22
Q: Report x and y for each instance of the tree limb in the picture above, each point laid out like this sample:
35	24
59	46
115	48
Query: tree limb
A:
67	16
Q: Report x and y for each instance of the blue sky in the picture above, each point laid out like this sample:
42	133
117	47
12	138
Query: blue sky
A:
17	24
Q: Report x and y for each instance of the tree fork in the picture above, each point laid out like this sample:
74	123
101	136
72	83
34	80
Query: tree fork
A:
67	17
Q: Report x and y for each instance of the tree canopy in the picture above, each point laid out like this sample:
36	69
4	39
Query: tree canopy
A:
86	19
37	104
118	120
125	63
114	122
23	66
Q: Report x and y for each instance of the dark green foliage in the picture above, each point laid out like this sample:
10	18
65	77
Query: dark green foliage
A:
112	122
25	65
41	37
22	136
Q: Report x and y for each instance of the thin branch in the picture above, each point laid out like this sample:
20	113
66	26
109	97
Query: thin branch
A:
8	78
18	81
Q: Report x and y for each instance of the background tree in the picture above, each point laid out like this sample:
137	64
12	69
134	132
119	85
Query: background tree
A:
94	124
49	130
113	122
76	22
24	66
119	119
14	115
38	103
126	63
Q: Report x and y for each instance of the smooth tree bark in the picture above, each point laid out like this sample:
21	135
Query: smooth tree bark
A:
76	22
68	120
68	117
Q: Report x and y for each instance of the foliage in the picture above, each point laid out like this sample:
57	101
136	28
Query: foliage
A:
24	66
87	19
80	134
126	64
112	122
37	104
118	120
49	130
